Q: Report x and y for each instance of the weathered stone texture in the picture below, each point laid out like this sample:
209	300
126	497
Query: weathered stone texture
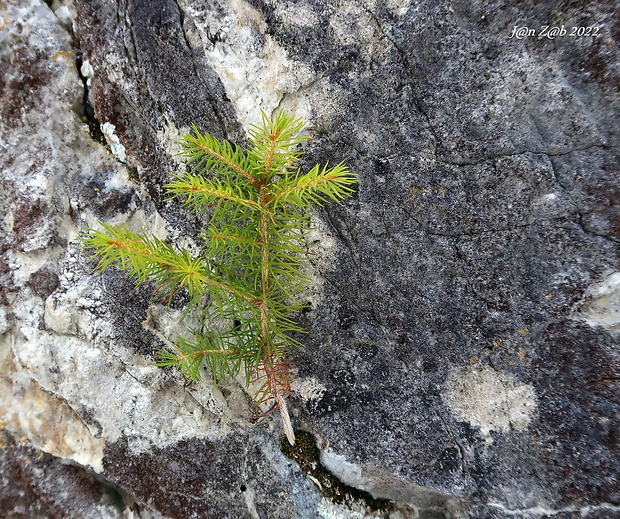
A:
462	355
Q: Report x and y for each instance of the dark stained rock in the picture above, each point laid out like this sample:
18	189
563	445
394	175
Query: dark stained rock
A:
202	479
35	484
165	77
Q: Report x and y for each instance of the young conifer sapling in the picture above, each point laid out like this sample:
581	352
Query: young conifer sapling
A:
256	205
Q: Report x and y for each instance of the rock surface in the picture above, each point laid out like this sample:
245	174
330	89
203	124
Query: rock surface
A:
462	360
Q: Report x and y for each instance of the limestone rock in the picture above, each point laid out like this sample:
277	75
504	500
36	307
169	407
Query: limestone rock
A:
462	355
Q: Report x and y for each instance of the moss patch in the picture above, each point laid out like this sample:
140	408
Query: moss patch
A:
307	455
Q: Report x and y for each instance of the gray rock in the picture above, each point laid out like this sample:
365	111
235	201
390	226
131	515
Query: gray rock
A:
462	354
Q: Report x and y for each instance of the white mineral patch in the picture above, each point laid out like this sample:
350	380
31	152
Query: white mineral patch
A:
88	72
308	388
118	150
398	7
346	471
602	304
26	264
489	399
255	71
65	14
47	421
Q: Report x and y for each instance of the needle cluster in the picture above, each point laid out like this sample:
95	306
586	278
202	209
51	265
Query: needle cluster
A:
256	204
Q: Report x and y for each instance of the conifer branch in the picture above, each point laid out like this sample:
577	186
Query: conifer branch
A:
259	209
202	192
152	259
206	153
316	186
273	143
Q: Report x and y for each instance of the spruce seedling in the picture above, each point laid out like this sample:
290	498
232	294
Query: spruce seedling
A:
256	204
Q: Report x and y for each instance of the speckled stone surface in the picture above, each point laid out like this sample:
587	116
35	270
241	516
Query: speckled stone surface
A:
462	355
